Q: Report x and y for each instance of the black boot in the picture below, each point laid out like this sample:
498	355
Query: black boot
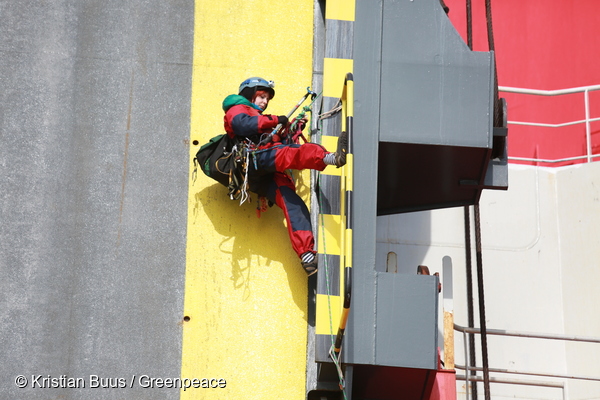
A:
342	150
310	267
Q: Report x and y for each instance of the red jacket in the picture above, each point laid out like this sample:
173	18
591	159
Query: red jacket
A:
242	118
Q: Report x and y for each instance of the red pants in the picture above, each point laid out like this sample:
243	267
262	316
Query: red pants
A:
267	178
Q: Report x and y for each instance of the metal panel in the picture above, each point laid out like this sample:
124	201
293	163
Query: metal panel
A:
391	312
407	309
359	342
434	89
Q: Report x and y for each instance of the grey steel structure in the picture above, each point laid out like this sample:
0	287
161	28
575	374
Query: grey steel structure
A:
94	120
424	138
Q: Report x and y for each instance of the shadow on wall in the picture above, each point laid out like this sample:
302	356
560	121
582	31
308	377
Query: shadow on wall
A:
254	244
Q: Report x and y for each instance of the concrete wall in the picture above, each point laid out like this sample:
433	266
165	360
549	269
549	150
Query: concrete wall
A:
540	257
104	105
94	122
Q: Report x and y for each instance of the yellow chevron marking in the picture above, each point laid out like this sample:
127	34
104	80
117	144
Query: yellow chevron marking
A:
334	72
349	172
348	249
326	323
340	9
329	237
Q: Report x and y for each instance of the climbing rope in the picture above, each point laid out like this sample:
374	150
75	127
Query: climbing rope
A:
498	117
334	110
490	34
469	267
484	352
469	25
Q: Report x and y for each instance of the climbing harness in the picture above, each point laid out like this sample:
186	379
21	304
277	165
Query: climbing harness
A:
242	158
245	150
269	136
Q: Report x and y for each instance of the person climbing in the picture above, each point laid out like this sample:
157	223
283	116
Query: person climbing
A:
245	121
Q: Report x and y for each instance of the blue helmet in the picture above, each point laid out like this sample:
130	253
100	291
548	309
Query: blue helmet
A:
251	85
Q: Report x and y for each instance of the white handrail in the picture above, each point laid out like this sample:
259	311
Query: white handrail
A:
548	161
588	131
551	336
502	332
558	92
581	121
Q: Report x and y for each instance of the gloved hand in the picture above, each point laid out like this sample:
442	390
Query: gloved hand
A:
302	123
283	120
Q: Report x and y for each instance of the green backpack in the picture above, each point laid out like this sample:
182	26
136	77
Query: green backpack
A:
218	161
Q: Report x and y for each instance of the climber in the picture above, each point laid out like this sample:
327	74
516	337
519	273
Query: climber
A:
245	122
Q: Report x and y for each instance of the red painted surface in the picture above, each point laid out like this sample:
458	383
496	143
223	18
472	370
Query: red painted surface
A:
375	382
546	45
444	387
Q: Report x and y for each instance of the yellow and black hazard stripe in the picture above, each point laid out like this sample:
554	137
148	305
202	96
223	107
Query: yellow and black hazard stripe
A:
347	124
335	185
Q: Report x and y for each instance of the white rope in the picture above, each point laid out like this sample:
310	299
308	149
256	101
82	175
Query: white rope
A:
327	114
336	361
244	189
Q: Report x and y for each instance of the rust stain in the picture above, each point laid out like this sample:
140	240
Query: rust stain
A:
125	157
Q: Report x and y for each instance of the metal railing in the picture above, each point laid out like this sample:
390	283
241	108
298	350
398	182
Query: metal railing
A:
499	332
587	121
